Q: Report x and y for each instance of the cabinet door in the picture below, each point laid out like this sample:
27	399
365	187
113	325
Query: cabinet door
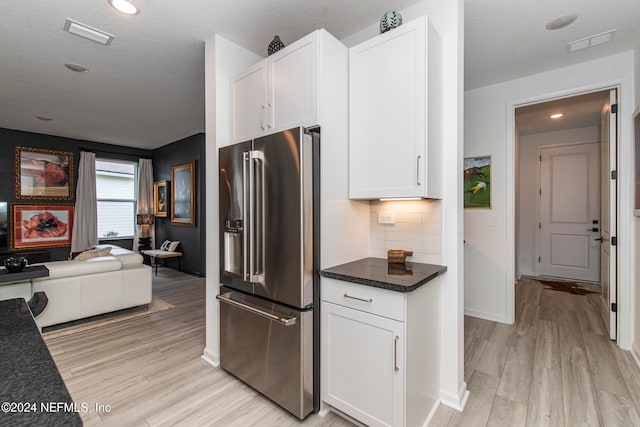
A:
387	80
292	98
249	103
362	365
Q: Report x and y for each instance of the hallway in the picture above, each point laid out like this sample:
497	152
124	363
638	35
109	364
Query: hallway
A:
555	366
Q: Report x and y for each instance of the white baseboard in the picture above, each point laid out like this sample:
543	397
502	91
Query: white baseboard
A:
635	352
484	315
432	414
458	401
210	358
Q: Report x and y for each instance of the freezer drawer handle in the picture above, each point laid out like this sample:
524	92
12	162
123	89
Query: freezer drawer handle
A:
346	295
284	321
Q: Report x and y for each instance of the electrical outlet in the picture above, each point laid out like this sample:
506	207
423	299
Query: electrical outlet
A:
388	217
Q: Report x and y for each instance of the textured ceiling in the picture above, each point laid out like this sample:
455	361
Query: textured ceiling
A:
505	40
579	111
147	88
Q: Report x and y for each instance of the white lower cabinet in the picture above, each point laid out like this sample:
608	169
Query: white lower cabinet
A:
376	366
363	356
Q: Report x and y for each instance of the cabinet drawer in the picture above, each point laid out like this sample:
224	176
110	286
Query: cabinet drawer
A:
365	298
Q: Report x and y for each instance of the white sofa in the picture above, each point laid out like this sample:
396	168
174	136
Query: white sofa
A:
79	289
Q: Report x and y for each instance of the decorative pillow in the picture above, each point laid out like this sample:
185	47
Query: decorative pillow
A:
173	246
93	253
165	245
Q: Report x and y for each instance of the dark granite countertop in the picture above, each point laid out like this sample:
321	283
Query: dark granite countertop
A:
377	272
30	381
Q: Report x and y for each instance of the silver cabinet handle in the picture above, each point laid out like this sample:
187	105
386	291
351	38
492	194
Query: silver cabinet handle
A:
346	295
269	121
395	353
262	107
418	169
284	321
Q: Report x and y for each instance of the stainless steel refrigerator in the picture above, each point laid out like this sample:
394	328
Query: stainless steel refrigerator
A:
269	299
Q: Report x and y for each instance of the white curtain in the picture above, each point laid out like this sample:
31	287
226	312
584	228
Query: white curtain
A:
85	222
145	198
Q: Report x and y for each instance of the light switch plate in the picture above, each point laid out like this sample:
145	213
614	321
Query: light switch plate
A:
388	217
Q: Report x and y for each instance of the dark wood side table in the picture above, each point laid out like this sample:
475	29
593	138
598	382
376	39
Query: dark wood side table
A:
28	273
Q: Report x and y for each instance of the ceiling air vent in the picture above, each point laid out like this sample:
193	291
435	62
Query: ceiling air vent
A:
90	33
591	41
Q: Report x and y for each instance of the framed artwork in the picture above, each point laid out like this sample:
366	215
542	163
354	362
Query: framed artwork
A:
160	198
477	182
41	226
183	201
43	174
636	136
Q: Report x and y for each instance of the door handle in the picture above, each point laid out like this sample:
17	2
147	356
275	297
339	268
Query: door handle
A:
594	229
395	354
346	295
262	107
418	169
284	321
599	239
269	113
246	219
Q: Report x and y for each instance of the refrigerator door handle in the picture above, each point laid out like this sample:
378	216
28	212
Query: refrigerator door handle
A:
256	214
246	189
284	321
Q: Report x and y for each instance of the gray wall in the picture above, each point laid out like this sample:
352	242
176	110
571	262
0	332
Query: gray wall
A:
192	241
11	138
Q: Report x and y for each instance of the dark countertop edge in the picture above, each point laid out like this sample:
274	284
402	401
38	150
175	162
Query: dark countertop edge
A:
384	285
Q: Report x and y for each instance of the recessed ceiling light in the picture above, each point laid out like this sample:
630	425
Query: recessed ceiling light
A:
556	115
44	119
561	22
125	7
76	67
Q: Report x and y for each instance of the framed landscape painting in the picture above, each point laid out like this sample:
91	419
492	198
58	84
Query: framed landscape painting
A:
160	198
182	194
43	174
477	182
41	226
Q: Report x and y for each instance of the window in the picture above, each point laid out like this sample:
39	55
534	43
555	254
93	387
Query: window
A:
116	195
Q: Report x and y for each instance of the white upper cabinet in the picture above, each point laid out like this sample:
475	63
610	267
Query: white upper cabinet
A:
250	103
395	114
279	92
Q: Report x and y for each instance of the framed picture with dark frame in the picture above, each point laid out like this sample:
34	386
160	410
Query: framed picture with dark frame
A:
160	198
43	174
183	200
41	225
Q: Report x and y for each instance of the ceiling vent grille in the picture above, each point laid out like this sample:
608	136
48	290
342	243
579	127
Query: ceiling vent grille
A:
90	33
591	41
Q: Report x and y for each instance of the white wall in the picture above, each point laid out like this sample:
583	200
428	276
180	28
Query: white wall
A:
529	184
223	60
636	341
489	117
418	228
448	19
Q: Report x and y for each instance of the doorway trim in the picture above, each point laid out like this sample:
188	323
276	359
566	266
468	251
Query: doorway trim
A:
626	230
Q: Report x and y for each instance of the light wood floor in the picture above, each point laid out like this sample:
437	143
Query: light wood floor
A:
554	367
150	372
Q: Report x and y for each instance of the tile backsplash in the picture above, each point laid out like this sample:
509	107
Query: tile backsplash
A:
418	228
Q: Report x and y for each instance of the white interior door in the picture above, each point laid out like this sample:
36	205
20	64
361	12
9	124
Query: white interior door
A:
608	194
569	212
